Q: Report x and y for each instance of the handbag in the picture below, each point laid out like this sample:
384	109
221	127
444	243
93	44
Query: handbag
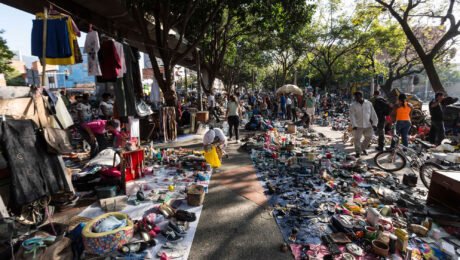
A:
57	139
142	109
113	171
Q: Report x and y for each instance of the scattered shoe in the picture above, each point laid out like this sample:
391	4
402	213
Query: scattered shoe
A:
178	229
170	235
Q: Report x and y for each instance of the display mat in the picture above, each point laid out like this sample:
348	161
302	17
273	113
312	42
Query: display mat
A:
160	181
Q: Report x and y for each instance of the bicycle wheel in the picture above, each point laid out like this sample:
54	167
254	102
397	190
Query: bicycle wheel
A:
390	161
426	171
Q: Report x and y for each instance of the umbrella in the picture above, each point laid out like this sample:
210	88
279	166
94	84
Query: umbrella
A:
289	88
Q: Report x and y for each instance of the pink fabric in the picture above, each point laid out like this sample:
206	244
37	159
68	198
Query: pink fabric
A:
97	126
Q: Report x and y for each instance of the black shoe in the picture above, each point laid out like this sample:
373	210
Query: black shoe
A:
365	152
379	149
357	155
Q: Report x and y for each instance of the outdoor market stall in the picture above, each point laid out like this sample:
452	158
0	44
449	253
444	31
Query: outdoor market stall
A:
329	205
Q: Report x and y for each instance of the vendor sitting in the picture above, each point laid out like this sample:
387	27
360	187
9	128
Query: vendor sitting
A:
216	137
96	134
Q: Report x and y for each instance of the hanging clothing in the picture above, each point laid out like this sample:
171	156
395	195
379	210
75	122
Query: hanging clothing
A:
109	61
169	123
121	54
71	39
92	46
155	92
57	38
125	101
34	172
133	73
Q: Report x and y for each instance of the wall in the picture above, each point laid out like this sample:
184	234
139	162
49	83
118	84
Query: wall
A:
78	75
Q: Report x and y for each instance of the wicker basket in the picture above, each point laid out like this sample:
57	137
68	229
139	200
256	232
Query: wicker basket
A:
195	195
110	241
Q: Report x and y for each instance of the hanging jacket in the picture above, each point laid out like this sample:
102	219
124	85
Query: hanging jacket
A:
34	172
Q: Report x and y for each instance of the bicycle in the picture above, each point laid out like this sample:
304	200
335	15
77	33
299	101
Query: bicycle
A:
426	170
398	157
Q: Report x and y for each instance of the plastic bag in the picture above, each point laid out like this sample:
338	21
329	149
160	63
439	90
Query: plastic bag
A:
225	128
212	158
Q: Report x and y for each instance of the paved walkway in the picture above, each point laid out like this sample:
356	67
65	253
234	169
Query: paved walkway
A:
236	223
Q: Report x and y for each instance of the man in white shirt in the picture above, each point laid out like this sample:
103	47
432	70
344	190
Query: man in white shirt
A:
84	109
212	107
289	107
363	119
106	107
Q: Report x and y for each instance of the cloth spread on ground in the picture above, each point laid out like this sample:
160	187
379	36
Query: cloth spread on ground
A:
160	179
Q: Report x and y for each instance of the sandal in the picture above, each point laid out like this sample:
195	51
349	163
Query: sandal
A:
170	235
180	230
136	246
170	254
166	210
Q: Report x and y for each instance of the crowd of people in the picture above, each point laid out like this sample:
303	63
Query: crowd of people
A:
376	116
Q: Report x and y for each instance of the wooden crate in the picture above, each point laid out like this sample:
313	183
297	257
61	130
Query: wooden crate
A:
445	189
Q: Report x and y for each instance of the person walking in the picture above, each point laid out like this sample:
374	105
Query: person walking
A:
310	103
212	106
283	106
288	108
363	118
403	124
275	111
437	130
294	108
233	117
382	109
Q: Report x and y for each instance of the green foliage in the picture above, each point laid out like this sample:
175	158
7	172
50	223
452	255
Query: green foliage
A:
14	78
5	56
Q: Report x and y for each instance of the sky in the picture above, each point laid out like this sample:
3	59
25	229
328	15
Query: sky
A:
17	26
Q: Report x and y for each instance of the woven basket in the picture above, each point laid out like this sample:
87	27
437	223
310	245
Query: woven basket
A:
102	243
195	195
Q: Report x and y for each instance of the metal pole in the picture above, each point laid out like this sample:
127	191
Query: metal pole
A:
45	30
200	98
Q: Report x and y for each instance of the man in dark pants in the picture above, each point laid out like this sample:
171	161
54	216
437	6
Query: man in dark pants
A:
382	109
212	107
437	131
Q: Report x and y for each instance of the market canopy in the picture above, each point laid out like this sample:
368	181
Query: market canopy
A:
289	89
110	17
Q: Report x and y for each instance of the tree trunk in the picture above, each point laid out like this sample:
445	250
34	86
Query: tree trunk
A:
169	90
386	88
433	76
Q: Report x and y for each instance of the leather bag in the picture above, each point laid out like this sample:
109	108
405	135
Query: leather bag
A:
57	139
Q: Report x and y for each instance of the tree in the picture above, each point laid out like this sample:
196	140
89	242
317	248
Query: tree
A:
173	30
273	24
5	56
405	12
330	47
